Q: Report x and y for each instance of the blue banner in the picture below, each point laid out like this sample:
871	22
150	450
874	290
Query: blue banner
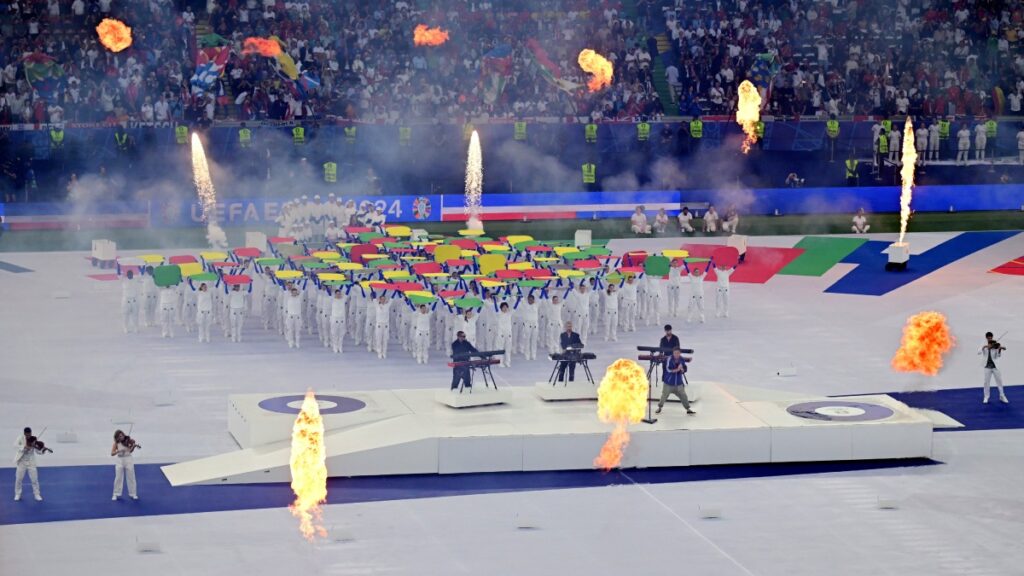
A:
264	211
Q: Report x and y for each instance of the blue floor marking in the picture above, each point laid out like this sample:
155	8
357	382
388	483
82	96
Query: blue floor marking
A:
83	492
13	268
871	279
964	405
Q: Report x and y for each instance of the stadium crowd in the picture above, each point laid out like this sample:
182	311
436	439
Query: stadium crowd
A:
846	57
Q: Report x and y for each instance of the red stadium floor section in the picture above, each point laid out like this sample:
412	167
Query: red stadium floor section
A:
759	265
1013	267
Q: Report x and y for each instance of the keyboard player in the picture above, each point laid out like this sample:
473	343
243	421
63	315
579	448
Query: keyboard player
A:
462	351
568	340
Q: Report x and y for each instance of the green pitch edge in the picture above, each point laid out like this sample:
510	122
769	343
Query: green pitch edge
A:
820	255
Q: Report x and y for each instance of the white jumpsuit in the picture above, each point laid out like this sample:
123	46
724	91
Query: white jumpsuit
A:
382	328
204	314
596	295
130	304
627	299
933	142
338	321
980	142
722	295
503	336
25	460
675	290
696	297
168	310
124	469
468	327
293	320
990	372
611	316
963	145
236	311
323	317
151	294
655	295
554	326
580	302
531	324
420	335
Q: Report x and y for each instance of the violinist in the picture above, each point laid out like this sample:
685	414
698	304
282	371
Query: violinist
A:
124	466
25	459
992	350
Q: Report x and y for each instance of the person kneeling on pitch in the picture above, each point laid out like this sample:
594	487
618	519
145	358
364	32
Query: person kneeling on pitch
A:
674	381
124	467
462	351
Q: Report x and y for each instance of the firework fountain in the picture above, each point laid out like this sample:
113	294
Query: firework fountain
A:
207	195
474	183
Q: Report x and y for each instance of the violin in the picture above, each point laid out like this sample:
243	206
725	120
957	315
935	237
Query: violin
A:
33	443
994	345
130	443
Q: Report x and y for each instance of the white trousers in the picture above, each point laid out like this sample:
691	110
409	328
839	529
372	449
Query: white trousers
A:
989	373
528	340
130	315
293	330
581	321
722	302
19	479
326	337
421	346
503	341
595	313
653	309
151	302
270	315
237	320
629	315
188	316
696	306
380	339
674	297
337	334
167	321
611	325
124	469
204	319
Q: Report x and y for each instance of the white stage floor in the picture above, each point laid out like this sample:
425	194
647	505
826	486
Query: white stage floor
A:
68	366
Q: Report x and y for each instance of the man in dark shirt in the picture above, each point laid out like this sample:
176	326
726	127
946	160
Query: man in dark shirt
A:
568	340
669	341
462	351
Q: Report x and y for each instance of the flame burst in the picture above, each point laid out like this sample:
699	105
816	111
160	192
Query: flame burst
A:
114	34
309	468
474	183
597	65
907	174
207	195
424	36
621	400
262	46
926	338
748	112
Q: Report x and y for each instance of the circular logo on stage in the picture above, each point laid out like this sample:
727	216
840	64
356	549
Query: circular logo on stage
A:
840	411
328	404
421	208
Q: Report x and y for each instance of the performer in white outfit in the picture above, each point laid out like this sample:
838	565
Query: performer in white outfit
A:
638	222
596	295
655	295
991	351
628	301
711	220
696	278
130	290
921	143
421	334
503	334
151	295
338	319
530	314
25	461
722	275
860	222
554	324
236	309
685	220
963	144
895	137
731	221
675	289
933	141
382	326
661	221
611	314
168	310
204	312
467	324
980	141
1020	146
124	466
293	318
323	316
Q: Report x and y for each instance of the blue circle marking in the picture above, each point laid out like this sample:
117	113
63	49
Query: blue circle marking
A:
840	411
342	404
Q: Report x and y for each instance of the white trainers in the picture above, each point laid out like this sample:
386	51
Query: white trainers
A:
39	498
113	498
1004	400
17	498
984	400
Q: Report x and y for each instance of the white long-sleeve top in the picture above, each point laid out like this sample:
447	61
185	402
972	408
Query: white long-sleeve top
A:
204	301
129	289
467	326
168	298
338	306
696	285
985	352
236	300
628	292
22	456
421	322
293	304
382	313
504	322
611	302
122	451
722	277
149	287
530	313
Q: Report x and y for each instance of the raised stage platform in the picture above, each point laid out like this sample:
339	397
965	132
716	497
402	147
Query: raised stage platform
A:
412	432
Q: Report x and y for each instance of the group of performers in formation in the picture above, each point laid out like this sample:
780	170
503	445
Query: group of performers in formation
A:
29	446
510	318
315	221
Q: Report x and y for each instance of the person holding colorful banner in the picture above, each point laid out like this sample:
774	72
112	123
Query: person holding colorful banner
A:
130	302
168	309
293	317
204	312
421	335
339	305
